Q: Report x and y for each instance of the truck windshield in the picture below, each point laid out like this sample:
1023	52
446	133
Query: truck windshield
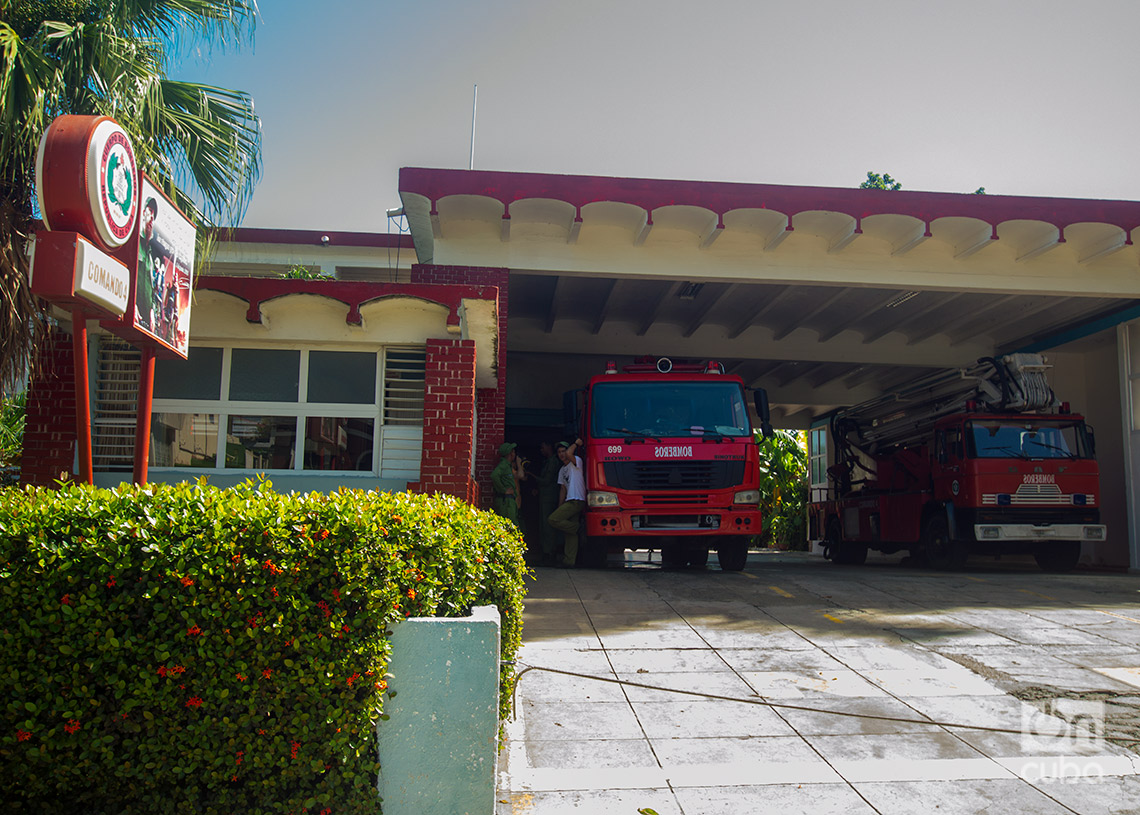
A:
656	409
1021	438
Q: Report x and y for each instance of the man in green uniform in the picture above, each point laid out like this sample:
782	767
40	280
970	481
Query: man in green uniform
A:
504	483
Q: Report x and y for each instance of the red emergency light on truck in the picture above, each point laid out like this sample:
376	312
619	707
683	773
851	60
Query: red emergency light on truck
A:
984	460
671	462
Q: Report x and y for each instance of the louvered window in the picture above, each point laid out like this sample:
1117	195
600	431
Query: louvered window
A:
404	387
114	406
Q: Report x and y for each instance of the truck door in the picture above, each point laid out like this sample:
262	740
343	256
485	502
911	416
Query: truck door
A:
948	455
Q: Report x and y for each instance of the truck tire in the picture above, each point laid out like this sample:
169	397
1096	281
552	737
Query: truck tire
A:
593	552
940	550
1058	556
732	554
845	553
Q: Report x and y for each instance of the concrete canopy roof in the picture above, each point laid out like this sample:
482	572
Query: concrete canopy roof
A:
825	296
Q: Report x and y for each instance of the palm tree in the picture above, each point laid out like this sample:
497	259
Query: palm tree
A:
108	57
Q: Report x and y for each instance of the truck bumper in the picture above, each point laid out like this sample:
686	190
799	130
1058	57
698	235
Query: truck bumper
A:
706	521
1026	532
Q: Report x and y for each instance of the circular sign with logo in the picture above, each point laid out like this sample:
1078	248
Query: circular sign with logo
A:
111	182
87	179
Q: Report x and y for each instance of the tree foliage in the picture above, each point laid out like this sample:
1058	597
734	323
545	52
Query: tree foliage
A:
784	488
880	182
200	143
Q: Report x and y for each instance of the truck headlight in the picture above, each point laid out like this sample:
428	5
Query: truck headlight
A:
990	532
1094	533
601	499
747	497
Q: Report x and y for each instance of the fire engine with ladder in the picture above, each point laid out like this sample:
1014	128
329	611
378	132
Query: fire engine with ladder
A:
983	460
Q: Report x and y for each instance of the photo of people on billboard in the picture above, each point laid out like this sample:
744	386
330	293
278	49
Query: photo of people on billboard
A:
165	270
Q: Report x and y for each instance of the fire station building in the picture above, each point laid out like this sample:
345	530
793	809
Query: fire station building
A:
418	352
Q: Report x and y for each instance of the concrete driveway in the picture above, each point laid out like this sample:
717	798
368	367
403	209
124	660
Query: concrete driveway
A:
1044	671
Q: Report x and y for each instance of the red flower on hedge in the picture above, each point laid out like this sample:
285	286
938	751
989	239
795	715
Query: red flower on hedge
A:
111	582
267	673
353	678
324	607
194	701
193	631
162	671
66	599
241	677
23	735
336	595
323	534
71	726
271	567
295	747
187	581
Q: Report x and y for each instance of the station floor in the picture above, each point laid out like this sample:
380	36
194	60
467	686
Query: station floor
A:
815	688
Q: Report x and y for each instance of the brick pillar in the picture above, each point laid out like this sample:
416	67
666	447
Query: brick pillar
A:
490	403
49	430
449	420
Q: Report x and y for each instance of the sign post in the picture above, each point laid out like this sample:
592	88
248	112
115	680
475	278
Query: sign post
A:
116	249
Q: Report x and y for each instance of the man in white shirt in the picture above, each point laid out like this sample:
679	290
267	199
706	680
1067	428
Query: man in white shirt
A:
571	500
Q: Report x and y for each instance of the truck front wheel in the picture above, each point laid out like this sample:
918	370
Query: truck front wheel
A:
1058	556
848	553
732	554
942	552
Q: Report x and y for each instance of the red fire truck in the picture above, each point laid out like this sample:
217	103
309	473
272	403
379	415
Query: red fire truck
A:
984	460
671	462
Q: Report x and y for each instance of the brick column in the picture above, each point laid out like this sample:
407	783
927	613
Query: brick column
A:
449	420
490	403
49	429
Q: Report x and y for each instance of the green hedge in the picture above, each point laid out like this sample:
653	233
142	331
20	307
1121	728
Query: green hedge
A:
191	649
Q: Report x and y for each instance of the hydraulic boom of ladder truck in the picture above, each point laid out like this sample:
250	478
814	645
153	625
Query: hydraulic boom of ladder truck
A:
984	460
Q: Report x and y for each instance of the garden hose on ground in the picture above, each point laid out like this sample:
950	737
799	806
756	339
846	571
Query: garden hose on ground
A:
782	706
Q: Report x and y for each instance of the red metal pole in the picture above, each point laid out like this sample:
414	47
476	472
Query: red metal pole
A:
82	395
142	420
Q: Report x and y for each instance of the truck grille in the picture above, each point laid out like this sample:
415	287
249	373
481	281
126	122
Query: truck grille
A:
673	475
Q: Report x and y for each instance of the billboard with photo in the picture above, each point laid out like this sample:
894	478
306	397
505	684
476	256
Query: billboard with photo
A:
160	305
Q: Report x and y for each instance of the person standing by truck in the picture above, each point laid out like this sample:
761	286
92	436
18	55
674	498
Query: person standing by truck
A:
505	483
571	500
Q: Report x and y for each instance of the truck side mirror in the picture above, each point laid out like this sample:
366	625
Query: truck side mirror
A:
762	410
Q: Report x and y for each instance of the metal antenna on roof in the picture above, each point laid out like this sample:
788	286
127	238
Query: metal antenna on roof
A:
474	106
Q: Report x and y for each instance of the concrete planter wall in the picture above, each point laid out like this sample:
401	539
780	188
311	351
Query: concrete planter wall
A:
438	746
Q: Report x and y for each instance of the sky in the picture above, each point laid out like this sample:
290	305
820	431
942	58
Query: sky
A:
1022	97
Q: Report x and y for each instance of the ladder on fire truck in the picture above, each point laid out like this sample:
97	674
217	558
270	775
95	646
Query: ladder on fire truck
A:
905	417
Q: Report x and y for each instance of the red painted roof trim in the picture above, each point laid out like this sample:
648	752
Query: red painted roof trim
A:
310	237
354	294
723	197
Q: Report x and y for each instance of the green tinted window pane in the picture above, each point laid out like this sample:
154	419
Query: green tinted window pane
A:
338	444
264	375
344	377
184	440
261	442
199	376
